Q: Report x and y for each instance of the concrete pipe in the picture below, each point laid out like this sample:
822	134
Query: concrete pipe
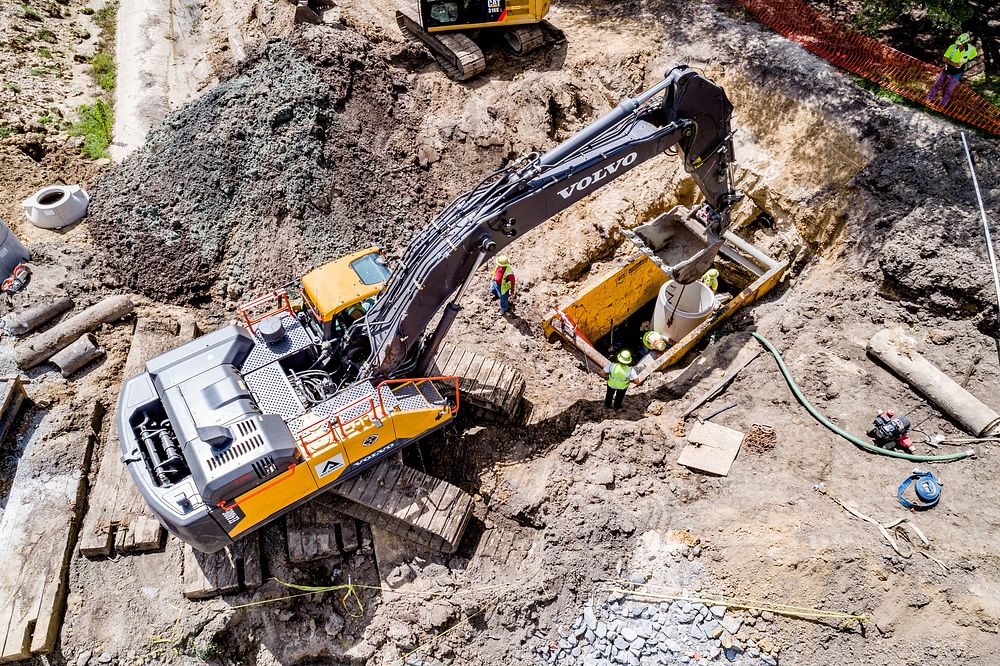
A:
45	345
77	355
56	206
898	352
12	251
28	320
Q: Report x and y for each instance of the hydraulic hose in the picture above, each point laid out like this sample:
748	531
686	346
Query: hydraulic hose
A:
857	441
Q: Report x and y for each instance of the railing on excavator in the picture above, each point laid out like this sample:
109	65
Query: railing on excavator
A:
328	428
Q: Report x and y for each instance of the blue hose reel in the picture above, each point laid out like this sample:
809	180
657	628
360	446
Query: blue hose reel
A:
927	488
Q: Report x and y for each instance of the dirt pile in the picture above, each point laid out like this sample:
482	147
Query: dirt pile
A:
299	156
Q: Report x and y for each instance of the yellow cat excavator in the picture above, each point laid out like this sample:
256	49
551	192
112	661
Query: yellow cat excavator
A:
447	28
328	376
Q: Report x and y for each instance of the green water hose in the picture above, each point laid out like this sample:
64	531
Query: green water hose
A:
857	441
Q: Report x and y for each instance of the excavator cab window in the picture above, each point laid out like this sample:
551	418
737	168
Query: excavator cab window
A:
461	12
371	268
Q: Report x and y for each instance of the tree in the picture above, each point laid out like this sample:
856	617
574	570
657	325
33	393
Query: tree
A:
980	17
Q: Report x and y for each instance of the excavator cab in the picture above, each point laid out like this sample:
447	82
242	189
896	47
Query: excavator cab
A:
443	15
339	293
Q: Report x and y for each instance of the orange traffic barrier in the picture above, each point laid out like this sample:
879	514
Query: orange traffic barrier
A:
859	54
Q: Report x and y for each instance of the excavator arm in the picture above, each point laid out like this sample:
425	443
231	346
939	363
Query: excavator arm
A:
685	111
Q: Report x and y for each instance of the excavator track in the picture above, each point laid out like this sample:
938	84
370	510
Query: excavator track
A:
490	385
407	503
524	39
458	55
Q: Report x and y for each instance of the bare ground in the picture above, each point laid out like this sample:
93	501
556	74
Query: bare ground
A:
871	206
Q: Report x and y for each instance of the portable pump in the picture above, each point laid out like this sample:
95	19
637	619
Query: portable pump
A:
890	431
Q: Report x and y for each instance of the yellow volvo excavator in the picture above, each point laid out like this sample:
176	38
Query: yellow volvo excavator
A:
326	377
447	28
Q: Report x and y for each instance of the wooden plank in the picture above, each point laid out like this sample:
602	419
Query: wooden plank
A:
712	448
116	505
12	393
41	517
209	575
312	531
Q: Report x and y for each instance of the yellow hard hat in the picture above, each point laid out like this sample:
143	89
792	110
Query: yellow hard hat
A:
503	260
963	38
624	356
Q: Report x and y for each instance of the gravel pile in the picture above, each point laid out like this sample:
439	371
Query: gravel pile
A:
626	631
302	155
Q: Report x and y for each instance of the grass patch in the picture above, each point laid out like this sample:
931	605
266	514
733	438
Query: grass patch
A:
44	52
207	651
94	126
105	18
44	35
989	89
30	13
44	120
36	71
5	131
102	69
87	11
879	91
13	87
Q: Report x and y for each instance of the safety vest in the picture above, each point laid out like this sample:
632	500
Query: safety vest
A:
645	340
618	377
958	56
501	278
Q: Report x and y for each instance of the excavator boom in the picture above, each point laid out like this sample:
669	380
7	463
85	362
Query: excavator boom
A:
685	110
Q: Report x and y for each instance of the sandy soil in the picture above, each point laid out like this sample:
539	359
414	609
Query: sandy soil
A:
870	205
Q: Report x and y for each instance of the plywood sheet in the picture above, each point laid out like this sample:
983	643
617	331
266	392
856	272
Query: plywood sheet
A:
711	448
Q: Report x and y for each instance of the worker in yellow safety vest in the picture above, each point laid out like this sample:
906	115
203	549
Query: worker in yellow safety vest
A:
653	340
620	374
502	286
955	59
711	279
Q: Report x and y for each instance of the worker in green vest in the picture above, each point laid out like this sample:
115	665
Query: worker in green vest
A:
620	374
503	286
711	279
955	59
651	340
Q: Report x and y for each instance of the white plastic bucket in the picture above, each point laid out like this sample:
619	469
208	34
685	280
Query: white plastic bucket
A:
695	306
56	206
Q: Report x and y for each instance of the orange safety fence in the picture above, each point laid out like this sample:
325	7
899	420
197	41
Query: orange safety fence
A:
862	55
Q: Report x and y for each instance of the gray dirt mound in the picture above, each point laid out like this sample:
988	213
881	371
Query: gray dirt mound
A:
299	157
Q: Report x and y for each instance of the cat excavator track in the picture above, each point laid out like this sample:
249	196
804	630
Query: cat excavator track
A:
459	56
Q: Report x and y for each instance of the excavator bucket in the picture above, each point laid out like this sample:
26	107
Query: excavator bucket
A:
679	244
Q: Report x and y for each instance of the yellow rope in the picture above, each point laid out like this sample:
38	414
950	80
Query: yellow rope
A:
653	592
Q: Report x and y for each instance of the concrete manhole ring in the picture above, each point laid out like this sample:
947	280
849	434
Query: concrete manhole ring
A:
56	206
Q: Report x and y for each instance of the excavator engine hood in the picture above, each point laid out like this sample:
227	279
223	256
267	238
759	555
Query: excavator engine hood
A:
193	401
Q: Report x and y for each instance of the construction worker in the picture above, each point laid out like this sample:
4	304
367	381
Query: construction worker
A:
502	286
620	374
955	59
653	340
711	279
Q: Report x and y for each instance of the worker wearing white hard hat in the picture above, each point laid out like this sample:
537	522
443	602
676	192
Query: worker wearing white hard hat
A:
502	286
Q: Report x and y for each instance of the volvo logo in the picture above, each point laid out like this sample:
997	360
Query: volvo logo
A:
599	175
369	440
